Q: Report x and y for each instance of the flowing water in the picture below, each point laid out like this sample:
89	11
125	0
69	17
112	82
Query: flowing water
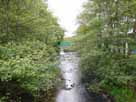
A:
72	90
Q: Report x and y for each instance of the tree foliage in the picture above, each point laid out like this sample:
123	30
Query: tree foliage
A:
106	40
28	33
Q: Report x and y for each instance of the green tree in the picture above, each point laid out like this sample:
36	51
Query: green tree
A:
28	55
105	47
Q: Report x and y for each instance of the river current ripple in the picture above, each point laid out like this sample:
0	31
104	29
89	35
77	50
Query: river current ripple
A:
72	90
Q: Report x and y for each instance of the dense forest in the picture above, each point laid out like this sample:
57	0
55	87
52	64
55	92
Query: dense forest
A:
28	51
106	42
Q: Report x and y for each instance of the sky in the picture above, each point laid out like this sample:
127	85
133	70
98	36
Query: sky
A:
66	11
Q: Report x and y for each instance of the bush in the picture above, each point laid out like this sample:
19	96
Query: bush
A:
31	65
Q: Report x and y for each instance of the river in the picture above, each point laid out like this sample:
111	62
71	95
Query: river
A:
72	90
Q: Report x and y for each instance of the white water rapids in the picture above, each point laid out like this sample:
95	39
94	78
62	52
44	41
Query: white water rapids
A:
72	90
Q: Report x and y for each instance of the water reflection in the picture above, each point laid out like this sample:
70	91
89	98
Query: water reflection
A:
72	90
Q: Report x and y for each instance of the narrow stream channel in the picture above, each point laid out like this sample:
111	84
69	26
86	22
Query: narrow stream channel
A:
72	90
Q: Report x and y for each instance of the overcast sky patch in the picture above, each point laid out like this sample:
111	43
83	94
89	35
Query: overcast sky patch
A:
66	11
